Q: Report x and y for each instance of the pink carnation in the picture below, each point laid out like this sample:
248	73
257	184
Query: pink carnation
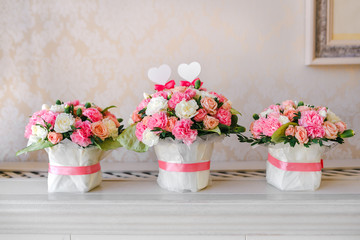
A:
190	93
161	93
201	113
143	104
224	116
158	119
182	130
315	131
176	98
93	114
85	128
140	128
75	103
274	107
79	138
270	125
39	118
310	118
303	108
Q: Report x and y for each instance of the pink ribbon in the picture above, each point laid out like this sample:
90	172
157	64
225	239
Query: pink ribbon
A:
168	85
69	170
184	167
188	84
298	167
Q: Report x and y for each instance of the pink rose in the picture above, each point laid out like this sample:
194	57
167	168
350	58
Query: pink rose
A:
270	125
54	137
287	104
140	128
224	116
301	134
209	104
176	98
331	130
93	114
220	97
290	131
135	116
310	118
182	131
341	126
189	93
303	108
171	124
201	113
315	131
290	113
143	104
210	122
78	138
158	119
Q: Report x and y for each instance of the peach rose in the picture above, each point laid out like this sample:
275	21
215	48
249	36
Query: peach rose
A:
54	137
331	130
100	130
170	124
210	122
303	108
145	120
290	113
290	131
301	134
209	104
227	105
135	116
341	126
179	89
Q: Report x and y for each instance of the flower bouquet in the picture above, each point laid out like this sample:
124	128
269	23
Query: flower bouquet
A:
75	137
296	135
182	123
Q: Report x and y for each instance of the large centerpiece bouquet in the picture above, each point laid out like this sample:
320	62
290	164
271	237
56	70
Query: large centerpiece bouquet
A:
297	135
75	137
182	123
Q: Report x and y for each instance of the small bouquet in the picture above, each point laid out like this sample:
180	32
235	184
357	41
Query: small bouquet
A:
182	122
75	137
297	136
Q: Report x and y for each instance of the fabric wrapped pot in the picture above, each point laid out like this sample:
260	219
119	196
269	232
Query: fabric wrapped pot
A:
294	168
184	168
73	168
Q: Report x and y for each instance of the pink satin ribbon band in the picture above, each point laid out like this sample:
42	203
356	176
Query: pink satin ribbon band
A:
296	167
69	170
184	167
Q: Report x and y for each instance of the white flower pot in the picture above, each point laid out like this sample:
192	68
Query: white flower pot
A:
294	168
73	168
184	168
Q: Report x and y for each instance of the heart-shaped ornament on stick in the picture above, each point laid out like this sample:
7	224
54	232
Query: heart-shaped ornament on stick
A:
189	72
160	75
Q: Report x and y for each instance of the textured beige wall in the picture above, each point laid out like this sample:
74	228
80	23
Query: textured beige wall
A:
251	51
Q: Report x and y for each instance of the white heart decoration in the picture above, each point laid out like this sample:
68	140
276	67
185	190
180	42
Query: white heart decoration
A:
160	75
189	72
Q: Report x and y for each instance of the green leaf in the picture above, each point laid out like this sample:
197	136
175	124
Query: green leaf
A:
107	108
197	84
58	102
108	144
238	129
235	112
347	133
234	120
67	109
256	116
129	140
120	120
301	103
41	144
79	112
87	105
224	128
215	130
279	134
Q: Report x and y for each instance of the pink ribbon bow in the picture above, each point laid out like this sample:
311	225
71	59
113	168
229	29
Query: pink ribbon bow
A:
168	85
188	84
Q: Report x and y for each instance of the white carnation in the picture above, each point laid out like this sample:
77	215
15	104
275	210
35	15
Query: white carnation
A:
150	138
186	109
283	120
332	117
63	122
156	105
113	131
323	113
265	113
57	108
39	131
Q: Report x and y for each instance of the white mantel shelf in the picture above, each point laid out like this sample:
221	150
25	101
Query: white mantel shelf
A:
226	208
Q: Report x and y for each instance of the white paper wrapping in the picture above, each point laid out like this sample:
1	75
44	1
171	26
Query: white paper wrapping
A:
294	180
67	153
174	151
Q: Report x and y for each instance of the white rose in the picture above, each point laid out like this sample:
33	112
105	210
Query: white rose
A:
113	131
156	105
45	107
57	108
332	117
63	123
283	120
264	113
186	109
150	138
39	131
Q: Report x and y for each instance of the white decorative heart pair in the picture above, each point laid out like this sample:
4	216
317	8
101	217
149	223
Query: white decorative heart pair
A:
162	74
